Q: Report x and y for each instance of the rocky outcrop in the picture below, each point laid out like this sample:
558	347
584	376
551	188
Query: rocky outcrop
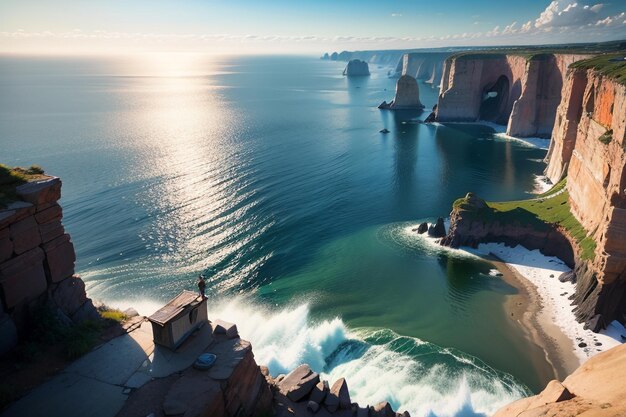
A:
471	224
356	68
592	390
588	146
518	91
301	393
407	95
37	263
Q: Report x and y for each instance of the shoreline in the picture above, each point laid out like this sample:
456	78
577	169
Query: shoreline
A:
566	342
527	310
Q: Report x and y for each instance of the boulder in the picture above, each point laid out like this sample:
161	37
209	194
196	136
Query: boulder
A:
384	105
340	390
224	327
25	235
23	278
130	312
385	131
474	202
430	118
319	392
40	192
312	406
568	276
422	228
60	257
356	67
438	229
298	383
382	409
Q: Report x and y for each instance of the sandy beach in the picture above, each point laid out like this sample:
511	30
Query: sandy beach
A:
543	307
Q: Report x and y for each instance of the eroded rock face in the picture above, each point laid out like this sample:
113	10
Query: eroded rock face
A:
37	260
588	147
511	90
591	389
356	68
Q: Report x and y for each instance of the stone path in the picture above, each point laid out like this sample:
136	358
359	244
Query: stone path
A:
98	384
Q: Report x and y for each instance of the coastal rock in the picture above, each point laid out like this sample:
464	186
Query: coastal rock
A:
40	192
514	90
338	396
422	228
68	295
224	327
568	276
6	245
319	392
584	392
60	257
384	105
22	278
86	313
407	94
382	409
384	131
25	235
438	229
299	383
8	333
356	68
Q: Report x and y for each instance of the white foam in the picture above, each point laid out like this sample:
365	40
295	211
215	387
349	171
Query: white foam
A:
542	184
500	133
543	272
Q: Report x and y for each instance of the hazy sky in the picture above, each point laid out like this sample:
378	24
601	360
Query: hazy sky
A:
297	26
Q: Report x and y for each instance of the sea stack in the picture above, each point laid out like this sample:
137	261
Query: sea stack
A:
356	68
407	95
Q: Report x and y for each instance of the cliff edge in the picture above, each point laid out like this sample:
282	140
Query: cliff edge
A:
592	390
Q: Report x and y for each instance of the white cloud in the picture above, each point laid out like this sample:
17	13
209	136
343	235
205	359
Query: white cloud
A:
558	14
396	14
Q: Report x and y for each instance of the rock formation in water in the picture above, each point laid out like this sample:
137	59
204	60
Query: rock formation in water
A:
588	146
594	389
325	57
356	68
407	95
517	91
37	263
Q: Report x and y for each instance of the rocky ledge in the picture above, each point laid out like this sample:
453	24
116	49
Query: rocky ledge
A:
37	263
592	390
407	95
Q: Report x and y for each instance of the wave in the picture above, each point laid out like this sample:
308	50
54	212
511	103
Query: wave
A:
379	365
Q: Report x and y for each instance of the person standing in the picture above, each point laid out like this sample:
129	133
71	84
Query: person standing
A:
201	286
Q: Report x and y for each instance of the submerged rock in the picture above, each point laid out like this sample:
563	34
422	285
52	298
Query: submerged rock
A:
385	131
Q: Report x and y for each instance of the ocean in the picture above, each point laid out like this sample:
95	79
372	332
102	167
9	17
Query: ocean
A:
269	175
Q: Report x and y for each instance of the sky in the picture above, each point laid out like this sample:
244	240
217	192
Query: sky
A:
297	26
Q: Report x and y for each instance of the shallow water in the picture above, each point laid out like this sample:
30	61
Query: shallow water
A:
270	175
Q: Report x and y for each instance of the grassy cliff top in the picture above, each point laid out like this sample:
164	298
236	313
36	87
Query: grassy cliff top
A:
549	209
10	178
610	65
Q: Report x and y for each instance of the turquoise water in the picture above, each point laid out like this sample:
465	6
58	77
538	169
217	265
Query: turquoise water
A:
270	175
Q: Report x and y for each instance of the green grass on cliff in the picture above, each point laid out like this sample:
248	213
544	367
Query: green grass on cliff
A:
542	212
12	177
609	65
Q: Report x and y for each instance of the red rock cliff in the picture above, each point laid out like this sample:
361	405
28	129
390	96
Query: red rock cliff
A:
518	91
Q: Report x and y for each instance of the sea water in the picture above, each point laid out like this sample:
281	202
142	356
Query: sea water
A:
269	175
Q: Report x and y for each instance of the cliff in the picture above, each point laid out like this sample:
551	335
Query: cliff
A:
36	258
592	390
356	67
588	146
521	91
426	66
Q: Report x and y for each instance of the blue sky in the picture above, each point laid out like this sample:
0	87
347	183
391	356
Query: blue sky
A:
291	26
